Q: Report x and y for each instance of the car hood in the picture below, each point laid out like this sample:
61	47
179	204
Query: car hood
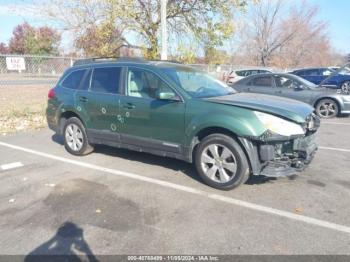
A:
325	89
279	106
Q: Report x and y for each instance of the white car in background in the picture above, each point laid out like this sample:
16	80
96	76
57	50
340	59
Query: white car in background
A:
236	75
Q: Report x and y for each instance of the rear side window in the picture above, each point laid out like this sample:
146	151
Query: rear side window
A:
311	72
85	84
298	73
72	81
241	73
252	72
106	80
262	81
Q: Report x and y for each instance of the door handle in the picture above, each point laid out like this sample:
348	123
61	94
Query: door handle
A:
129	106
83	99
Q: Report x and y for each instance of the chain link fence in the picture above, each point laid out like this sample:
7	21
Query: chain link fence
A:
25	70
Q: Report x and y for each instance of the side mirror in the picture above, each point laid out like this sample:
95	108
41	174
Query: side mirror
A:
167	96
298	87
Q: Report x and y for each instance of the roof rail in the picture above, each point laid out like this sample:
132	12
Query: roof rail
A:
107	59
171	61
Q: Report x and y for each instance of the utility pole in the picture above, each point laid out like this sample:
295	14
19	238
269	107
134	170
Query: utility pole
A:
164	53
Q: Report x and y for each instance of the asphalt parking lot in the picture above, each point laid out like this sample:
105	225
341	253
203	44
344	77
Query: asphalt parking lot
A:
120	202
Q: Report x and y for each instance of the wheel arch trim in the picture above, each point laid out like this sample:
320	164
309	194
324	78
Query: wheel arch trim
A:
249	148
337	101
64	116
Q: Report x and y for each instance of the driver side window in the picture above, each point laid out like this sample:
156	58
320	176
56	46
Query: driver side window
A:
145	84
284	82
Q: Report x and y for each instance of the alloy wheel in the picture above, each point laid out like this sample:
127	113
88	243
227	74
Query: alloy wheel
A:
327	109
218	163
74	137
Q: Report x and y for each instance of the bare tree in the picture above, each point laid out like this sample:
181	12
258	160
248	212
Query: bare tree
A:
310	45
268	34
276	36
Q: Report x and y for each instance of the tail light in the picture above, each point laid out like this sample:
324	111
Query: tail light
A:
51	93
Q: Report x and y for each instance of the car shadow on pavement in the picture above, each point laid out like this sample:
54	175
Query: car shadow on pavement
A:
68	244
171	163
58	139
166	162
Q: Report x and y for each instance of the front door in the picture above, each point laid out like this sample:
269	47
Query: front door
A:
147	120
288	87
100	104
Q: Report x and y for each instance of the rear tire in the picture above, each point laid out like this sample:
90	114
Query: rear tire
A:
327	108
75	138
221	162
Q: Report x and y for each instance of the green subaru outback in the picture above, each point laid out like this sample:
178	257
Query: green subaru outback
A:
173	110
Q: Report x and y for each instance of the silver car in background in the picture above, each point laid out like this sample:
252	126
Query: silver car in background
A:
235	75
328	103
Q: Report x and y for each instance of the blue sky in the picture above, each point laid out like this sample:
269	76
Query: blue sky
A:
335	12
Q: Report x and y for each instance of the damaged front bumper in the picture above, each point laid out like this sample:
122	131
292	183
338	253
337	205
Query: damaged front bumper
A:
280	158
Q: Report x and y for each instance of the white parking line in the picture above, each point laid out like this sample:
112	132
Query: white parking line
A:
335	123
334	149
217	197
11	165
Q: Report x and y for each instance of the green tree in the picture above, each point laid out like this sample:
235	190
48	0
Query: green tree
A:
101	40
208	22
185	54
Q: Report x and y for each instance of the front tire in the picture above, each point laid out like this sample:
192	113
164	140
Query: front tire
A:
221	162
327	108
75	138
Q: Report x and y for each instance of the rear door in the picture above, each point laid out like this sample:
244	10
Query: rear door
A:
100	103
261	85
71	84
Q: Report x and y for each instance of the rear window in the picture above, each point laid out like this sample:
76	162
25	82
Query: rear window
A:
72	81
106	80
310	72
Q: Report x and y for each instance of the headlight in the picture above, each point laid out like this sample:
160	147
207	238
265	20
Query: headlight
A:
279	125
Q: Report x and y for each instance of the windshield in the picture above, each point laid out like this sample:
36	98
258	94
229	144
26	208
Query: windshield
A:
197	83
344	71
304	82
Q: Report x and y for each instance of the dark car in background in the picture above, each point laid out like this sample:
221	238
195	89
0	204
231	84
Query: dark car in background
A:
337	79
327	102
